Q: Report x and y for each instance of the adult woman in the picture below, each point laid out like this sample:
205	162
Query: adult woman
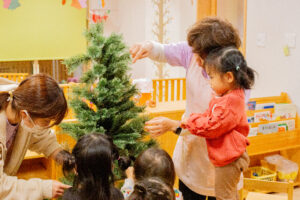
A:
190	157
26	115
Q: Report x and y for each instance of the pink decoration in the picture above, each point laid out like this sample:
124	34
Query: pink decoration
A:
6	3
83	3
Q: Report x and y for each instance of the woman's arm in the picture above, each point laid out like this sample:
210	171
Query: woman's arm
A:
176	54
45	143
35	189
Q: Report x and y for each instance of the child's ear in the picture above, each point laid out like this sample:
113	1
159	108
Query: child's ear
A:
229	77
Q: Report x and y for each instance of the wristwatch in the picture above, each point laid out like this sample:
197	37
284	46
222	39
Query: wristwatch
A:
178	130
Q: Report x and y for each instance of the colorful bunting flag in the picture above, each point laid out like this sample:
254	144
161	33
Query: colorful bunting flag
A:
11	4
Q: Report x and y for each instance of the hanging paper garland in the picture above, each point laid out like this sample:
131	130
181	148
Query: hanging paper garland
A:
76	4
83	3
101	3
98	17
11	4
6	3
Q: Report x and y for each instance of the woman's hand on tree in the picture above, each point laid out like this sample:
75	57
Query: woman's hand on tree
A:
58	188
160	125
140	50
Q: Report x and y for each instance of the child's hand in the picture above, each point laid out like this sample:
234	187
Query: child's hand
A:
58	188
129	172
184	123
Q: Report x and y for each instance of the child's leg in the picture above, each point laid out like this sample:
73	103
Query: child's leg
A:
227	178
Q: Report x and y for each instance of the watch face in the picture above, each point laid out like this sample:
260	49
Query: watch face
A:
178	130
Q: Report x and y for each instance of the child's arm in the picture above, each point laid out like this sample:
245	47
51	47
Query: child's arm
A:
127	188
214	124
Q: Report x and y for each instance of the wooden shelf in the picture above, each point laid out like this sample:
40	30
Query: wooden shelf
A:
32	155
34	168
280	141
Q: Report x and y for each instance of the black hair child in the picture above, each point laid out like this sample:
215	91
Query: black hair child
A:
93	157
152	189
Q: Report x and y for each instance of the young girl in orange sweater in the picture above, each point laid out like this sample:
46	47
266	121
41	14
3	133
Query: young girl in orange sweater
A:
224	124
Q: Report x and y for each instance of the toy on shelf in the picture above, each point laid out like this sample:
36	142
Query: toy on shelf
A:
286	170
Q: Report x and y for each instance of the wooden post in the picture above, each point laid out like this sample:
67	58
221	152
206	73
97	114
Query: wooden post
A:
244	29
87	66
206	8
36	67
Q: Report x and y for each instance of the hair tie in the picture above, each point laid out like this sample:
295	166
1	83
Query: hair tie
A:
237	68
10	98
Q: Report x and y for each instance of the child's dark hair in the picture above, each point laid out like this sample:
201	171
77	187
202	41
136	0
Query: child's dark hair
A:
155	162
211	33
230	59
40	95
93	157
152	189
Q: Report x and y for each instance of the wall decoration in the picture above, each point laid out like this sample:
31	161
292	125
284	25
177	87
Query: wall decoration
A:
159	29
11	4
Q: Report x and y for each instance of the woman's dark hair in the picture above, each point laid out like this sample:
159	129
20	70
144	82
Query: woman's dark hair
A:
211	33
155	162
93	157
152	189
230	59
40	95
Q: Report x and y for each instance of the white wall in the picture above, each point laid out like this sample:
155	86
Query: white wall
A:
134	19
277	72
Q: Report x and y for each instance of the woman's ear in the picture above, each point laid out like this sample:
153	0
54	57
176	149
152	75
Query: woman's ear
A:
229	77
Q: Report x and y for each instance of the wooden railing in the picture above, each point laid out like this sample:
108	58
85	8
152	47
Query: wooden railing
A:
164	90
17	77
173	89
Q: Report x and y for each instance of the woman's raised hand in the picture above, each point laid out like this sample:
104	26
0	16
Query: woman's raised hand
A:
140	50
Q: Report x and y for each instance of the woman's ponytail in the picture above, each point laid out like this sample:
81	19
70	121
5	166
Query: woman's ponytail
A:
4	97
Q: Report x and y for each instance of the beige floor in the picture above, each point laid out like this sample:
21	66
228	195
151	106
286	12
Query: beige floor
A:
261	196
296	194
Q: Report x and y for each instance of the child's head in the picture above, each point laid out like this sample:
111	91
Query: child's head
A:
211	33
152	189
38	101
228	70
155	162
93	157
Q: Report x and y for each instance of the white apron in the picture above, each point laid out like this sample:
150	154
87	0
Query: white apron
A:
190	156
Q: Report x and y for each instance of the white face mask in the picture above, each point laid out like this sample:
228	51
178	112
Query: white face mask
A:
35	129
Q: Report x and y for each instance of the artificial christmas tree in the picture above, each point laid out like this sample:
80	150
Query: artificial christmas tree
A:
103	101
